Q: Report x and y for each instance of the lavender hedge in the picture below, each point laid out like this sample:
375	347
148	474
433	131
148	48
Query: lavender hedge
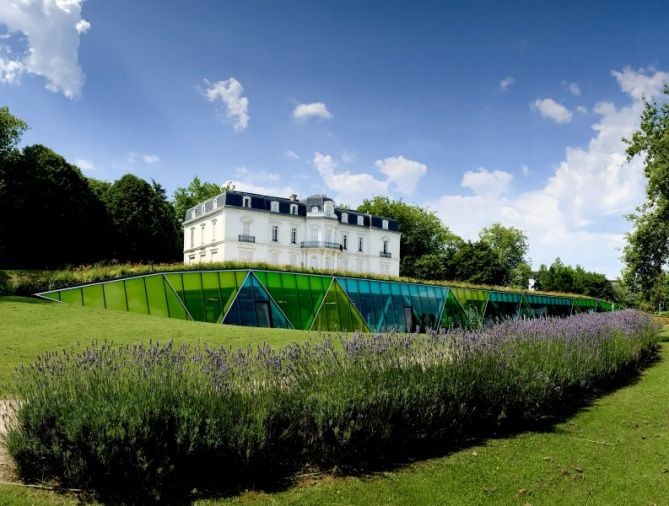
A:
146	422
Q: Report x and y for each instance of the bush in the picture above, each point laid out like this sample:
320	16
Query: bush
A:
148	422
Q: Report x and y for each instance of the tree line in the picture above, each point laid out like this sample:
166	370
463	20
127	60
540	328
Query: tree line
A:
51	215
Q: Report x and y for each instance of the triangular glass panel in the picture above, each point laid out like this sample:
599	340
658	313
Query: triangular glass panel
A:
254	307
337	313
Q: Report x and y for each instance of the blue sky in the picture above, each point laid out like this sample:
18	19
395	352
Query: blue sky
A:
483	111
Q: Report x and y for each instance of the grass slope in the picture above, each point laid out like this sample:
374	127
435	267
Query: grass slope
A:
29	327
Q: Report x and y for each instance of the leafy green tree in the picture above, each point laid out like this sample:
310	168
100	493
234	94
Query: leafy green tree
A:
511	245
11	131
49	216
564	278
476	262
144	222
423	233
647	250
196	192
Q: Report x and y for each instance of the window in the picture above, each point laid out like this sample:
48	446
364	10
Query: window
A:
384	224
314	262
328	235
203	209
246	201
202	233
359	243
314	209
384	269
344	265
385	246
246	255
192	238
213	230
329	208
246	228
275	206
361	220
274	258
293	260
359	267
328	262
345	241
293	209
344	217
191	258
293	236
275	233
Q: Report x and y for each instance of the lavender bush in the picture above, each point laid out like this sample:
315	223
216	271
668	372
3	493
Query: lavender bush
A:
146	422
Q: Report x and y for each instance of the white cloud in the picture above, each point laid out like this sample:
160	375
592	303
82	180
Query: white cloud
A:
148	159
574	89
292	155
577	214
261	182
245	173
638	83
581	109
525	170
230	93
486	183
84	164
82	26
312	110
506	82
403	173
51	29
549	108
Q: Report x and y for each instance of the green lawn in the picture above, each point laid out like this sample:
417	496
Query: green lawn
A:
29	327
614	452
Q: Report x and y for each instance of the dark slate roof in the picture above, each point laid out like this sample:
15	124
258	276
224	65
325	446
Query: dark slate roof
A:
264	203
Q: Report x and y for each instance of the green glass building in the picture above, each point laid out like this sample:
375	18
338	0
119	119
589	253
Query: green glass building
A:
262	298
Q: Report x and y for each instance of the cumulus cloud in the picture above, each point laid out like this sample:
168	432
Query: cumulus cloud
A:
550	109
312	110
401	174
229	92
292	155
487	183
84	164
581	109
262	182
148	159
506	82
577	213
51	29
574	89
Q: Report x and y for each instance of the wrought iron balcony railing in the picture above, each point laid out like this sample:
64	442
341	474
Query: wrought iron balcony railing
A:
247	238
321	244
385	254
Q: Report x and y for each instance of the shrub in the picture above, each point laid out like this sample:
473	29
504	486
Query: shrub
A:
149	422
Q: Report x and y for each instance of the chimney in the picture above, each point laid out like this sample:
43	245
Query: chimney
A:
293	197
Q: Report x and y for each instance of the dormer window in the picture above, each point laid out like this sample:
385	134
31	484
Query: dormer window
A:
384	224
275	206
344	217
314	209
329	208
361	220
203	209
246	201
293	209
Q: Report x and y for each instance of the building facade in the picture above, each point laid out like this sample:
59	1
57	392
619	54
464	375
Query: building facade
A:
312	232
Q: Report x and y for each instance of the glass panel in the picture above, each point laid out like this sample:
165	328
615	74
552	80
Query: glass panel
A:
500	310
212	297
72	296
174	304
418	311
389	324
253	307
378	304
242	311
177	283
134	288
306	303
94	296
398	305
115	295
155	291
292	306
473	302
453	315
525	309
51	295
228	282
193	296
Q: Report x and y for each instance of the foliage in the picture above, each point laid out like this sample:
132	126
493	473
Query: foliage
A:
561	277
194	193
141	423
144	223
423	233
647	249
511	245
49	215
476	262
11	131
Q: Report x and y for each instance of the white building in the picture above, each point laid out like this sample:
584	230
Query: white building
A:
309	233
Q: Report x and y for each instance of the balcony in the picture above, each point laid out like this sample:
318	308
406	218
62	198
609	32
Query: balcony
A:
320	244
247	238
385	254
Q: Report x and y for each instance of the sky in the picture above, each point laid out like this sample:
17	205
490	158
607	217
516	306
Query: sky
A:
483	112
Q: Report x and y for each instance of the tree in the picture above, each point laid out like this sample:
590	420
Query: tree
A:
647	250
11	131
564	278
194	193
146	229
476	262
49	216
511	245
423	233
